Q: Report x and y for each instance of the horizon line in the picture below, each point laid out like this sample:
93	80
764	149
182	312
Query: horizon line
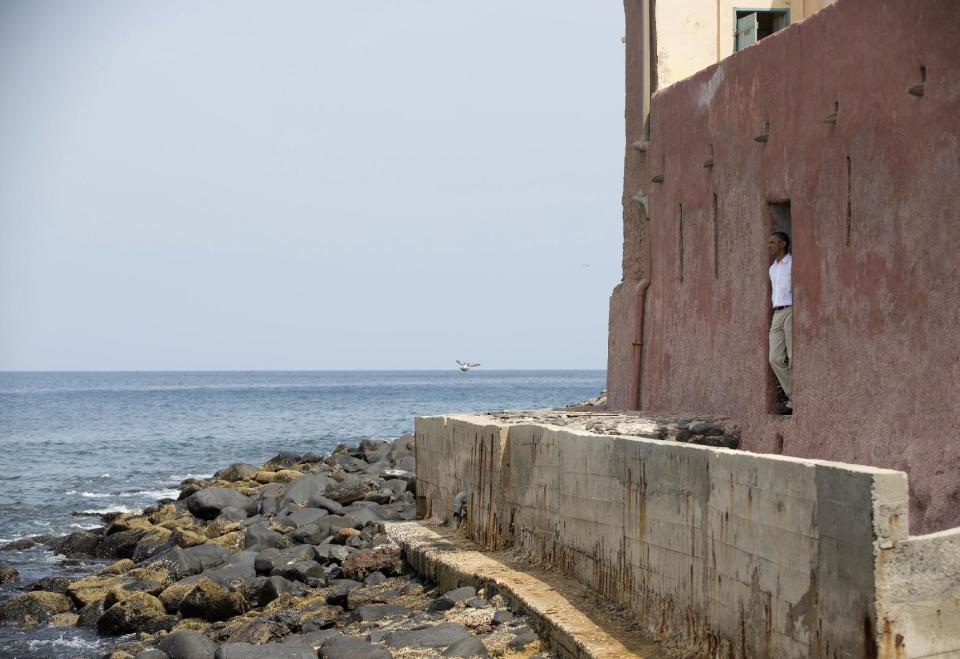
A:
293	370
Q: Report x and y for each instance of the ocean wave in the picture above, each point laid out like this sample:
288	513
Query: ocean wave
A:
175	478
89	495
112	509
153	494
73	643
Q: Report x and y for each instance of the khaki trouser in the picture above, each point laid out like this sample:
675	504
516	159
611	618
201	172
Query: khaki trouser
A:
781	353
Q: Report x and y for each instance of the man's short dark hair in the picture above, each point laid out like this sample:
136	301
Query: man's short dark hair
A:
782	236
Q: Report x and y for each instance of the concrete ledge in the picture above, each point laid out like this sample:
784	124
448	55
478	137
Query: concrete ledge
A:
735	553
567	614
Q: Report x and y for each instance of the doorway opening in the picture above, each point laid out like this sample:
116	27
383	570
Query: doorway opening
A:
779	389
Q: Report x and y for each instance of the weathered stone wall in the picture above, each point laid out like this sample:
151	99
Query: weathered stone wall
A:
736	552
819	115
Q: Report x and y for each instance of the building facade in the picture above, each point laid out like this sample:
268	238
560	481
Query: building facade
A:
843	129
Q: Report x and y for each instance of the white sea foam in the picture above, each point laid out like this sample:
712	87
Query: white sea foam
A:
73	642
90	495
153	494
112	509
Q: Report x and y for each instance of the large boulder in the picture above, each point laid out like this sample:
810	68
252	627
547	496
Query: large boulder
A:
261	536
386	560
350	490
32	609
172	595
352	648
470	646
266	651
282	459
188	644
438	636
211	601
269	498
120	544
238	471
329	553
191	560
132	614
270	588
300	491
151	543
375	612
232	576
8	573
208	503
77	545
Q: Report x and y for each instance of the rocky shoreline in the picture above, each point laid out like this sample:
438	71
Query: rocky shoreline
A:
288	559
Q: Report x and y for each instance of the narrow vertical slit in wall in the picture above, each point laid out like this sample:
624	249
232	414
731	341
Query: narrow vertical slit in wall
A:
716	240
923	74
849	202
680	242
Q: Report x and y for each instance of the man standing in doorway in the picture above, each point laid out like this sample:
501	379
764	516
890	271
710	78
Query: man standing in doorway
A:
781	329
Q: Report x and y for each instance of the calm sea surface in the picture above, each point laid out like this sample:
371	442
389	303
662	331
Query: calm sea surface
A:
97	442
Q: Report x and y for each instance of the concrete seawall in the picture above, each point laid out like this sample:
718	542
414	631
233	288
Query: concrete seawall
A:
738	553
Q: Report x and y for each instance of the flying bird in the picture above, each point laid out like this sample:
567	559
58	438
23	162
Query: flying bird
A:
466	366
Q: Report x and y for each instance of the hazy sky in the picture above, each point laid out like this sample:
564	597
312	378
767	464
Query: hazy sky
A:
308	185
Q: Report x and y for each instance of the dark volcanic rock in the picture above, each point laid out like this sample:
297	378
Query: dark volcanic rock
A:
352	648
337	596
468	647
283	459
50	584
439	636
207	504
238	471
192	560
332	553
89	614
21	544
386	560
261	536
153	653
188	644
306	516
9	573
502	616
77	545
300	491
266	651
302	571
461	594
211	601
130	615
231	575
350	490
327	504
31	609
273	587
441	604
121	544
373	612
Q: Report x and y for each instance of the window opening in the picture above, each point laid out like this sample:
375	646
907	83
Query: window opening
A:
752	25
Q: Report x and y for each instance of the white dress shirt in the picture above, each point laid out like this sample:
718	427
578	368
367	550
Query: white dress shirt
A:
780	284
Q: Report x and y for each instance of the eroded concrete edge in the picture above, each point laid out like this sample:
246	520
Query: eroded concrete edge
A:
554	603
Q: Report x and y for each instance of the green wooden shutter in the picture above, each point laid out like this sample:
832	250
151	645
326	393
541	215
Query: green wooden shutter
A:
746	31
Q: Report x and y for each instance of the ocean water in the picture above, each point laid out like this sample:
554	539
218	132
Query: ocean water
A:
73	445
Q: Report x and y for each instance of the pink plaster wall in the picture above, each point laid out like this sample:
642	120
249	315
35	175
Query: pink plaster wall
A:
876	321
